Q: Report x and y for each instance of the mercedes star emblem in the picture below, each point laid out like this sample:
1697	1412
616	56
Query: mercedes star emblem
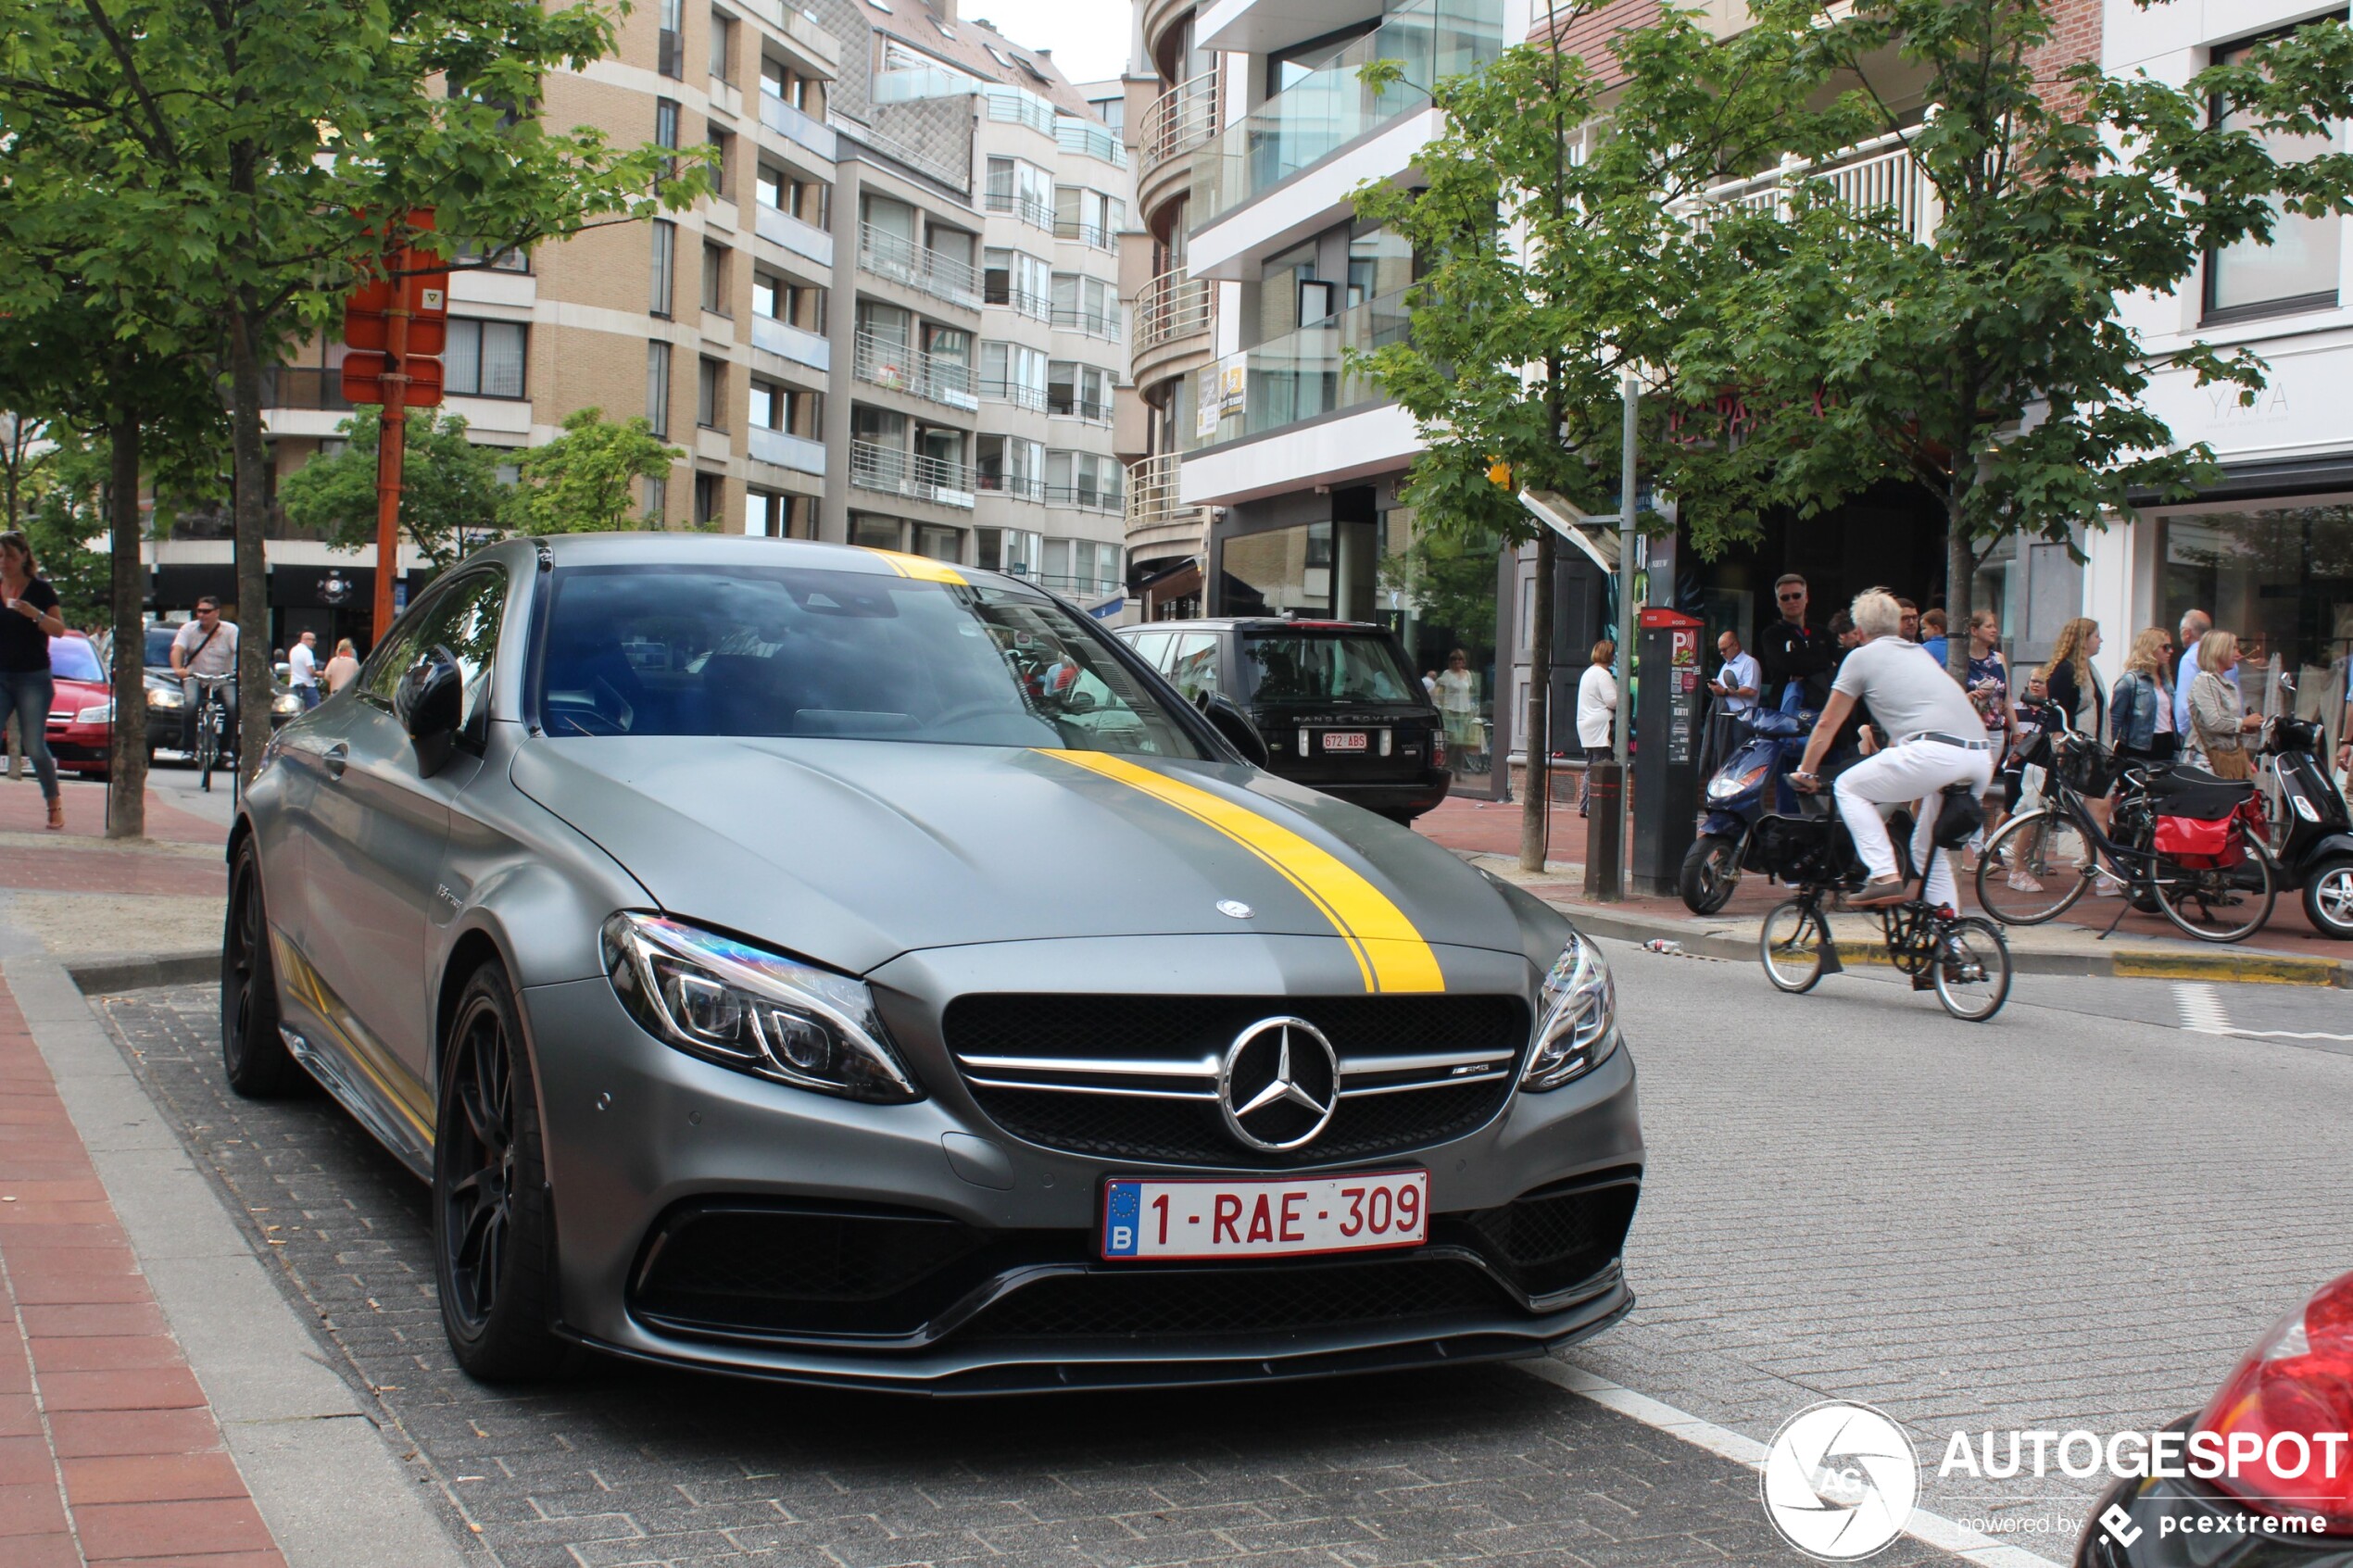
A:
1235	907
1278	1084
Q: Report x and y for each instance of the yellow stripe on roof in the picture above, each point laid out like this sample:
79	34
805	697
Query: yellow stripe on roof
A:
921	567
1391	954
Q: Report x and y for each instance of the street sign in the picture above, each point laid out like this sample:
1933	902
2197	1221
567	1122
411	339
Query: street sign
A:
363	381
428	335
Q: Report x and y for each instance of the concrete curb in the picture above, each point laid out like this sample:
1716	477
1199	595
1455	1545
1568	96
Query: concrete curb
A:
103	977
332	1491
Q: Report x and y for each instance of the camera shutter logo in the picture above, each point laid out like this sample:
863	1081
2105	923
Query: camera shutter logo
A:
1840	1481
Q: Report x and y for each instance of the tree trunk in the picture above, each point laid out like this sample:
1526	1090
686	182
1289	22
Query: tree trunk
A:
1536	800
127	747
1960	570
251	460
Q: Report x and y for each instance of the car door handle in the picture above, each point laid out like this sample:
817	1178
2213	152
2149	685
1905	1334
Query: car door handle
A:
335	756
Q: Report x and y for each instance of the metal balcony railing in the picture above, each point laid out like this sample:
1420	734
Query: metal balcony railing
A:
1172	307
1079	587
1092	408
1181	120
1086	234
1151	500
886	363
897	471
1880	174
1013	484
1029	209
900	259
1036	307
1019	395
1094	323
1100	497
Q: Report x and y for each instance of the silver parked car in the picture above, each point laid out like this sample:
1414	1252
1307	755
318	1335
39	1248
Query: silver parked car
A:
829	964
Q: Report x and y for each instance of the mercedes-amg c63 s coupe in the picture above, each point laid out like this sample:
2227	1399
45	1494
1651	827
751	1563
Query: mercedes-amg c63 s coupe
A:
824	963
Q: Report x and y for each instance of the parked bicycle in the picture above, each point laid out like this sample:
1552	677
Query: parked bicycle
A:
2181	842
1962	957
212	726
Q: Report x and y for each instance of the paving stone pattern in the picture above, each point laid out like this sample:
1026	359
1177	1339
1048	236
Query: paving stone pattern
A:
625	1464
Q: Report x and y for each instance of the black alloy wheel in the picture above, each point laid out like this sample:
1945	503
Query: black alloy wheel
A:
493	1226
253	1054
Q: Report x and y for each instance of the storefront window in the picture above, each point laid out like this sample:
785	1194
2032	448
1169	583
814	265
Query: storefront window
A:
1283	569
1439	594
2281	577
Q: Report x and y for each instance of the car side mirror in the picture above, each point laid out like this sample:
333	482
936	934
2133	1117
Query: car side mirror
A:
429	702
1227	716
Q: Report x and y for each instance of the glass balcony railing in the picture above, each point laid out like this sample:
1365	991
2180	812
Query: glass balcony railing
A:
894	365
1325	111
1295	377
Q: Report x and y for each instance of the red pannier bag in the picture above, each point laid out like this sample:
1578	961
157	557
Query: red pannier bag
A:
2196	845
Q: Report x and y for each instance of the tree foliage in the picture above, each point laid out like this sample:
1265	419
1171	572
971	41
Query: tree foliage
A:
450	495
66	520
586	480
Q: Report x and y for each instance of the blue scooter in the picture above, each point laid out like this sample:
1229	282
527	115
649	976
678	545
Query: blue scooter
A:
1753	781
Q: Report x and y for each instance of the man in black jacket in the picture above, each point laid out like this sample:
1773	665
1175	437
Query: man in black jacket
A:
1790	650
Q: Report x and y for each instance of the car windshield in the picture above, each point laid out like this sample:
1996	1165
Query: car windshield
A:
158	655
1323	668
838	655
72	659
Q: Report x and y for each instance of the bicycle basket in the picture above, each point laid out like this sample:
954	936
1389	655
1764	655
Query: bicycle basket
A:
1791	848
2088	767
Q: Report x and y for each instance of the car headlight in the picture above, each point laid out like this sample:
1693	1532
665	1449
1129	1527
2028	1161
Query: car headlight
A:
1722	788
102	714
167	696
1577	1014
284	703
754	1011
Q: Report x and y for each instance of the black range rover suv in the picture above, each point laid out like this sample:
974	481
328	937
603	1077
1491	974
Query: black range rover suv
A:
1336	701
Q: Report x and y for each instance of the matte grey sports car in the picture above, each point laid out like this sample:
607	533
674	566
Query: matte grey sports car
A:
829	964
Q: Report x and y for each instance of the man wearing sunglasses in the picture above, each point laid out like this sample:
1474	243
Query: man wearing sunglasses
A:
1792	651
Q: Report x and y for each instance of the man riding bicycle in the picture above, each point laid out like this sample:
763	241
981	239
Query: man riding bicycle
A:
207	647
1937	739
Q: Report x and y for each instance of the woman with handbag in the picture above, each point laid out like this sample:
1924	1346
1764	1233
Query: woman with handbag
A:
2216	726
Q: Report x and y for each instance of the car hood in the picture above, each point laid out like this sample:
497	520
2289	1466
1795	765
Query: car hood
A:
852	852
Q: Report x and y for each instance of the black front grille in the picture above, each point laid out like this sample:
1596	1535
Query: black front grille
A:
1234	1302
1193	1131
1551	1239
816	1270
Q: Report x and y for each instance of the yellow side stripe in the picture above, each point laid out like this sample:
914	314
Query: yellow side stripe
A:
921	567
1391	954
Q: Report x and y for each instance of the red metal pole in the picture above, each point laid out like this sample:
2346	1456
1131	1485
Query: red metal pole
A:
389	441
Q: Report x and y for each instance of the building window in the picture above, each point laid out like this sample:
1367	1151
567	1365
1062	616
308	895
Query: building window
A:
1085	479
484	358
723	46
2298	270
657	500
710	499
711	394
1008	465
788	409
1010	373
1020	279
877	533
773	515
1020	187
1085	305
1081	391
664	264
658	387
672	59
714	279
1009	550
804	93
1089	217
723	158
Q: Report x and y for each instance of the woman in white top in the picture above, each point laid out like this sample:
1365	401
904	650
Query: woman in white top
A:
1596	715
1457	693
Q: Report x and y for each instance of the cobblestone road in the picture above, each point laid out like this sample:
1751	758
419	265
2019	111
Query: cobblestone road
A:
627	1465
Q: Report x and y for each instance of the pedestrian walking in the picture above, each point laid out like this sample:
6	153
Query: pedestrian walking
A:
1935	739
2217	721
1792	653
1455	690
343	668
2074	685
1596	716
2195	623
302	661
26	687
2141	708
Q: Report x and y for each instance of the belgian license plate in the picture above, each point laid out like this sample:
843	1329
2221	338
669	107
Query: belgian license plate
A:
1344	740
1212	1217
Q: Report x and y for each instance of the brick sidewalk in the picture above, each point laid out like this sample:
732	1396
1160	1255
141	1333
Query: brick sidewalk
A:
108	1450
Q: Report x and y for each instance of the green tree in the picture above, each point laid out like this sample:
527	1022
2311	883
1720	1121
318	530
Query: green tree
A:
66	522
585	480
449	498
1985	356
1551	264
251	159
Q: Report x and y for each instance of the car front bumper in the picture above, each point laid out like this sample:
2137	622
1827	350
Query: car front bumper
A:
663	1163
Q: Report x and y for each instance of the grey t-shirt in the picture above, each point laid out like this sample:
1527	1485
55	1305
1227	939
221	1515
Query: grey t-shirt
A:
1906	690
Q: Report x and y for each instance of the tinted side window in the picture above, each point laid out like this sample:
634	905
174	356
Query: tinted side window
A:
1151	647
462	617
1192	666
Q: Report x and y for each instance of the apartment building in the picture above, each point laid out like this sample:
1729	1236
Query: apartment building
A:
896	321
2268	551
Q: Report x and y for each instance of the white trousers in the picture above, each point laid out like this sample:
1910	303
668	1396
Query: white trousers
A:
1914	773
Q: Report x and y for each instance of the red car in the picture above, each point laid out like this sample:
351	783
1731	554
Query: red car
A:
81	713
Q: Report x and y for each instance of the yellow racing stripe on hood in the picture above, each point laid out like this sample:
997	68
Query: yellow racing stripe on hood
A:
1392	955
921	567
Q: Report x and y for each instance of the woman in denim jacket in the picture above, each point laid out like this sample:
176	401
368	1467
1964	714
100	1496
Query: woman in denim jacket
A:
2141	708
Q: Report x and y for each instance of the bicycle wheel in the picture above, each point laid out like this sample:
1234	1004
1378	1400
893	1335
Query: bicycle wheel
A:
1972	970
1790	945
2034	868
2219	904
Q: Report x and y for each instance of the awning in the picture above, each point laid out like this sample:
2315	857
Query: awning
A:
1596	536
